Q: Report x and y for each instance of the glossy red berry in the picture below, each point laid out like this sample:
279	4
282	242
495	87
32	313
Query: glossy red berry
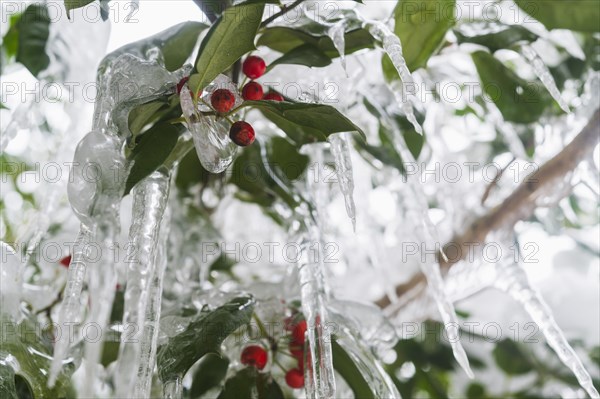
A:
299	332
252	91
272	96
181	83
242	133
294	378
66	261
222	100
254	67
255	356
297	350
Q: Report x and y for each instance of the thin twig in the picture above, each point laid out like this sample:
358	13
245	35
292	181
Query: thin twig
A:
494	182
283	11
520	205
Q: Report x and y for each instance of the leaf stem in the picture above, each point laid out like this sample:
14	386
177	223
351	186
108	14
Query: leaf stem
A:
283	11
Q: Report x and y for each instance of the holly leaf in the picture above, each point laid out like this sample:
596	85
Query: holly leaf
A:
203	335
303	122
249	383
10	41
578	15
73	4
421	28
152	150
354	40
511	359
284	156
141	115
211	370
345	366
33	31
230	37
518	100
493	35
306	54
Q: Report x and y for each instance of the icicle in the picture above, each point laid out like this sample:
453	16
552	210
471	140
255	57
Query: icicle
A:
150	198
153	308
513	280
21	120
211	137
10	283
343	169
404	90
173	389
337	33
70	311
542	72
320	378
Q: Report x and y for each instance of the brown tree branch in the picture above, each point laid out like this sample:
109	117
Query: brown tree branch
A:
520	205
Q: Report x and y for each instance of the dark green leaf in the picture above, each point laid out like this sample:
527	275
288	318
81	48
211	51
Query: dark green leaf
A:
579	15
355	40
421	27
230	37
493	35
595	355
346	367
73	4
190	172
511	359
518	100
151	152
476	391
141	115
285	157
34	29
2	106
110	348
203	335
305	123
306	54
248	383
211	370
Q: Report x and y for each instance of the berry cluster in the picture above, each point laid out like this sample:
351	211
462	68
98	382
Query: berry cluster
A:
257	356
223	100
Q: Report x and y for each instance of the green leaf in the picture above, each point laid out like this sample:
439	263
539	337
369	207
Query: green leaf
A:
230	37
34	29
284	39
578	15
211	370
493	35
190	172
2	106
151	152
421	27
476	391
249	383
10	41
306	54
203	335
518	100
511	359
345	366
305	123
284	156
73	4
142	114
180	44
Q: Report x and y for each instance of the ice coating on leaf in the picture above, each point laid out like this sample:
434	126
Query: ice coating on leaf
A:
337	34
404	90
541	71
70	310
343	169
149	202
512	279
152	316
211	137
10	282
220	82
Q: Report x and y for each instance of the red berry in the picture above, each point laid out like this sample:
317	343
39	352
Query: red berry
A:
254	355
222	100
297	350
254	67
252	91
181	83
66	261
272	96
242	133
298	335
294	378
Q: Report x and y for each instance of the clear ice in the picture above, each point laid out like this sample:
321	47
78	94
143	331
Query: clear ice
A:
340	149
337	33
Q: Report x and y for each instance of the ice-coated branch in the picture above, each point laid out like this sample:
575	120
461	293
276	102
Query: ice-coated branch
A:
520	205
